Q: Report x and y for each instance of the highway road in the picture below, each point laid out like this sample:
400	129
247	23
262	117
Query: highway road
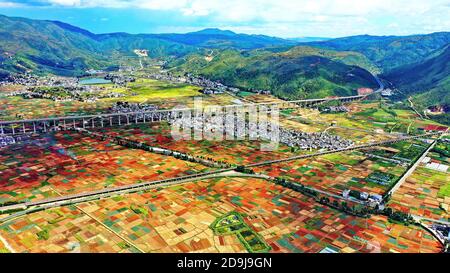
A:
422	218
109	192
351	148
410	171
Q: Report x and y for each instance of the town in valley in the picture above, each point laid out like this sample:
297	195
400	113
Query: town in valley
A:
216	141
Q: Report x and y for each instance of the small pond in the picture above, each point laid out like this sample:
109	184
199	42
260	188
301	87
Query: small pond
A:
90	81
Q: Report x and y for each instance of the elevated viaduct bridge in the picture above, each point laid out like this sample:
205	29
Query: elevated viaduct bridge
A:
44	125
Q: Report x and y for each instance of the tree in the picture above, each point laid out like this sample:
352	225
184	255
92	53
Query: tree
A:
387	211
336	203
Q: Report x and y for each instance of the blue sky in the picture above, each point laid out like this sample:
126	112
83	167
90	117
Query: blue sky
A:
283	18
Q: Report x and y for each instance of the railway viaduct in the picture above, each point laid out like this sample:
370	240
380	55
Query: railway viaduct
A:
44	125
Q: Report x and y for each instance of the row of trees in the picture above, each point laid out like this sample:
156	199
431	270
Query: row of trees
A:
296	187
360	210
128	143
356	210
243	169
398	216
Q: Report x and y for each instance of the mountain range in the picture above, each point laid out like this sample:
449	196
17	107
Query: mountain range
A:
417	65
299	72
426	81
389	52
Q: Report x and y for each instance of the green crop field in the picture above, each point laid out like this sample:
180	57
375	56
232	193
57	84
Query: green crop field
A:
445	190
233	223
146	89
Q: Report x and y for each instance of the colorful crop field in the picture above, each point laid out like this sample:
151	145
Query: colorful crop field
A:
179	219
231	151
66	229
68	162
14	108
427	191
337	172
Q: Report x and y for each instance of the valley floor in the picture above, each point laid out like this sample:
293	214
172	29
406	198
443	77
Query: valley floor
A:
198	216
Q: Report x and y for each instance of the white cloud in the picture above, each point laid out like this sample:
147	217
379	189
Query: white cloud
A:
160	4
274	7
9	4
65	2
297	17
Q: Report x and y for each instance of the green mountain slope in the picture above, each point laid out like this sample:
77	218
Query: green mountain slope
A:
424	75
56	47
301	72
44	46
59	48
389	52
427	81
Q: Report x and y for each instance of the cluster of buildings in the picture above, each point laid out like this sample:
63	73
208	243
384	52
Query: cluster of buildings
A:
209	86
214	125
94	71
442	231
73	93
119	79
29	80
321	140
387	92
8	140
370	199
126	107
57	88
335	109
189	78
438	109
435	165
141	52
